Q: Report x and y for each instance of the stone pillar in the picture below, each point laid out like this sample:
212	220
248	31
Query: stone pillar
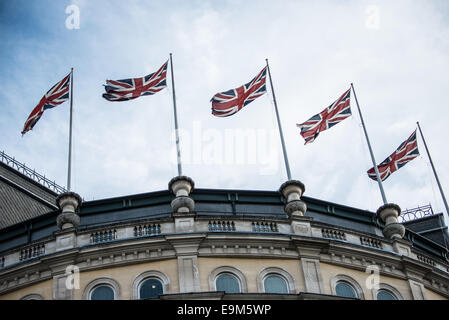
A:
67	220
389	214
313	279
417	289
65	279
295	208
68	202
186	247
182	205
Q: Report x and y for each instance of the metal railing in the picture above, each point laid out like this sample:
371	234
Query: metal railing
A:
416	213
31	173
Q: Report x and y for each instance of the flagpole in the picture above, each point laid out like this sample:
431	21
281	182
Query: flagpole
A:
433	168
379	181
178	152
287	167
69	167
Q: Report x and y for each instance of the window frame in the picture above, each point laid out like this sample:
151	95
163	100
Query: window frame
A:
32	296
101	285
350	281
153	274
232	275
356	296
391	290
289	280
102	282
275	275
241	279
147	279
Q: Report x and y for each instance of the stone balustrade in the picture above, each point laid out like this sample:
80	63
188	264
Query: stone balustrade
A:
130	233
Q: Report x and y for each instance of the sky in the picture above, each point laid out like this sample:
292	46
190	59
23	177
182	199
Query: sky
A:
394	52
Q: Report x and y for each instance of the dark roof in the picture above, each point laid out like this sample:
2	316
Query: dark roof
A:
22	198
209	203
432	227
28	211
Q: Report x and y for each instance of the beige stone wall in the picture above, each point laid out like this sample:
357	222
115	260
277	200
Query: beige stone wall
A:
430	295
125	276
329	271
45	289
250	268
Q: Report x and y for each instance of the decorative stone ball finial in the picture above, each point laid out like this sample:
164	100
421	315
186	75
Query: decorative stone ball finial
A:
68	202
292	190
389	214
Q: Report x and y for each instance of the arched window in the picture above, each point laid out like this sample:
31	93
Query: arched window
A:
102	292
228	279
102	289
275	280
150	288
383	294
150	284
228	283
344	289
274	283
33	296
386	292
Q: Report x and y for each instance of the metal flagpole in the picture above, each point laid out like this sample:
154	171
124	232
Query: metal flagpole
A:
176	118
433	168
69	169
287	167
379	181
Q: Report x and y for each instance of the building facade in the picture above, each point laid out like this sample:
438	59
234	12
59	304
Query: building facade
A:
189	243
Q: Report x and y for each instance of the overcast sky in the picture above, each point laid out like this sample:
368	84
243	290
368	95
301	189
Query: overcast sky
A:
395	52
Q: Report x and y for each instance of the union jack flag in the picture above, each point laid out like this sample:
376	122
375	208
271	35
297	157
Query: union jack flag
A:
227	103
128	89
329	117
407	151
58	94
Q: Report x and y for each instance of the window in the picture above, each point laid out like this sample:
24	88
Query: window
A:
228	279
275	284
228	283
102	289
102	292
275	280
344	289
387	292
385	295
150	288
150	284
33	296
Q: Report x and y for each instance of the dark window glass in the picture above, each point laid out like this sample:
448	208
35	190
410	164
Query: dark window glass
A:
275	284
385	295
228	283
102	293
150	288
344	289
